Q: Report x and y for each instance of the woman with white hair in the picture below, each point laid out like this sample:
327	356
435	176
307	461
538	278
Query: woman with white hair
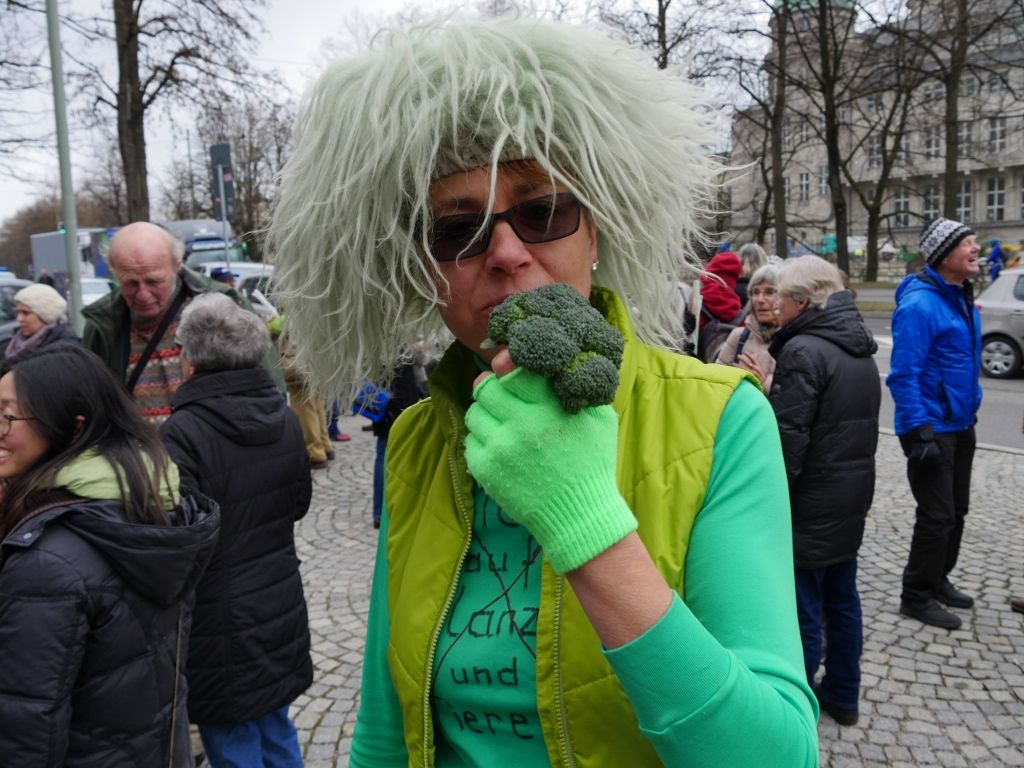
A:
826	393
600	588
235	440
41	321
752	257
747	346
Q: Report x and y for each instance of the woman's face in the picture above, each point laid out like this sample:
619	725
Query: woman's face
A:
478	284
788	308
22	447
28	321
762	300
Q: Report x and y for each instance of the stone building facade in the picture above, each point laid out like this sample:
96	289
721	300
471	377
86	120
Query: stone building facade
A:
990	188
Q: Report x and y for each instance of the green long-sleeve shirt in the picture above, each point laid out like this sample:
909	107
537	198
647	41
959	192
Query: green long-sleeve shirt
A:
717	681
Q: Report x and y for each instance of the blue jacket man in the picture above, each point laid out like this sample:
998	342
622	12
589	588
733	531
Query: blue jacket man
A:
936	359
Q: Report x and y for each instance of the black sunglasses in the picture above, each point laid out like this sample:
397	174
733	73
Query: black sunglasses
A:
540	220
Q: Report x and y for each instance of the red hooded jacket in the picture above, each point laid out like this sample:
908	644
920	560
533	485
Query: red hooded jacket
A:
719	296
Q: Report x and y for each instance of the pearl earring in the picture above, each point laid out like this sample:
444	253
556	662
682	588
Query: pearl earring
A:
593	267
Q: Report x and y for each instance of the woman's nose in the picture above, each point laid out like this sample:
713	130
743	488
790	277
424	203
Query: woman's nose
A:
506	251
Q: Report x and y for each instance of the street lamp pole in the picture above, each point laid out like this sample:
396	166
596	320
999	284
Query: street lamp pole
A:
67	192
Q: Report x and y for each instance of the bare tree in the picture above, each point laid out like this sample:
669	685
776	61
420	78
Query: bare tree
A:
102	187
674	32
166	51
42	215
259	131
24	75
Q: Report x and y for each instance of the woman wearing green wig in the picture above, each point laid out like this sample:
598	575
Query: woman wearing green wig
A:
602	588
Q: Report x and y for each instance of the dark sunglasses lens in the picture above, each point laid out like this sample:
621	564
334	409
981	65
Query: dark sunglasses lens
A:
546	218
453	237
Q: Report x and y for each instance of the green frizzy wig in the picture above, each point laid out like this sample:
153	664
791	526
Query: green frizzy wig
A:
348	234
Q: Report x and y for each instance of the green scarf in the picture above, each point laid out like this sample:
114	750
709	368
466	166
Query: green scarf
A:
92	476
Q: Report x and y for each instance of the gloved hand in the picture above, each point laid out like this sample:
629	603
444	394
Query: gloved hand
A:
551	471
921	446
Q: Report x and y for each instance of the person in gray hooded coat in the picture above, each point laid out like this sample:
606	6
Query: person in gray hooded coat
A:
826	394
236	441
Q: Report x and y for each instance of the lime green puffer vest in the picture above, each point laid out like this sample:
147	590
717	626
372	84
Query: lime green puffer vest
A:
668	407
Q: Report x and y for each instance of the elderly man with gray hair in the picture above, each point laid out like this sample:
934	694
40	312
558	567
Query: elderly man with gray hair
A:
132	328
236	440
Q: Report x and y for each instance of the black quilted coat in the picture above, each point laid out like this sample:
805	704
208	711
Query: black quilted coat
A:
826	393
93	612
235	439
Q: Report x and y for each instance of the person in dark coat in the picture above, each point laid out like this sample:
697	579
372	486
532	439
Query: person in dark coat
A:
405	391
99	559
826	394
235	440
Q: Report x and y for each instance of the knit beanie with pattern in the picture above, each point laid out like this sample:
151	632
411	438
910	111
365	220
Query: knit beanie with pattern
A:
939	237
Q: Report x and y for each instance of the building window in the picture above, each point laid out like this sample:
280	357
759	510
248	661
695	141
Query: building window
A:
805	130
785	188
996	82
875	104
963	202
933	143
965	138
931	203
805	185
968	86
874	151
901	208
996	134
823	180
933	90
785	131
903	150
995	199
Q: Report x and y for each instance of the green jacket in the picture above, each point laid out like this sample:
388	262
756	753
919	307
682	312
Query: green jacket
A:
663	481
107	323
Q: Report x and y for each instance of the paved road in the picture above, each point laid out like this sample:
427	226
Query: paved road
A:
930	697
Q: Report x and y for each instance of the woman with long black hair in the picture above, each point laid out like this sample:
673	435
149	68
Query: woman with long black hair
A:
98	560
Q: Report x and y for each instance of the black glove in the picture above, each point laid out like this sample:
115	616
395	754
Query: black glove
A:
919	445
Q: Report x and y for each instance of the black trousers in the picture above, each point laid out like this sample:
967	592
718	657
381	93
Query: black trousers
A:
942	492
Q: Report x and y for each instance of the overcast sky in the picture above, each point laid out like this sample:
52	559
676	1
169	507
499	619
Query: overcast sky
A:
295	31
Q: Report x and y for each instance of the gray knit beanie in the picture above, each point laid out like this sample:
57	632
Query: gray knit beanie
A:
939	237
48	305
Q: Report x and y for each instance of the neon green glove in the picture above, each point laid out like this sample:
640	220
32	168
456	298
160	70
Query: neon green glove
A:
551	471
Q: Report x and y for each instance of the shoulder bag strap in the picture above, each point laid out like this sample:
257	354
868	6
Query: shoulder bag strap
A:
147	353
744	335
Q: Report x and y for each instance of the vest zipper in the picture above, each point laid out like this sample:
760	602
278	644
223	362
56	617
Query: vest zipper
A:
428	729
564	745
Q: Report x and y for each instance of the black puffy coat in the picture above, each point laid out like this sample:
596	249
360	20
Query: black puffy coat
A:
93	611
235	439
826	393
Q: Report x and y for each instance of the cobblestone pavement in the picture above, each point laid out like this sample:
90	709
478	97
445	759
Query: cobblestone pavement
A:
929	697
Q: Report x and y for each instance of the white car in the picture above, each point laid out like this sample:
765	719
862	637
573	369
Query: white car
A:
242	270
93	289
1002	324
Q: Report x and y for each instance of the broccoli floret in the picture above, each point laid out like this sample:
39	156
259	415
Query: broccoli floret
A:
553	331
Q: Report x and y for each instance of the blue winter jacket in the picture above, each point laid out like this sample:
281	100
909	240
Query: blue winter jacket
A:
936	355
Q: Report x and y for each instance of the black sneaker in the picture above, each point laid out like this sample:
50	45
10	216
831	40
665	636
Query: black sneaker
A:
840	715
930	613
949	595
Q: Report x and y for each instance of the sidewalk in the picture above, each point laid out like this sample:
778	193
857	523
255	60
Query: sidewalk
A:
930	697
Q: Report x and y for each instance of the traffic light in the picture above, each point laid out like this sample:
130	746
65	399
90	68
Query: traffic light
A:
220	158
